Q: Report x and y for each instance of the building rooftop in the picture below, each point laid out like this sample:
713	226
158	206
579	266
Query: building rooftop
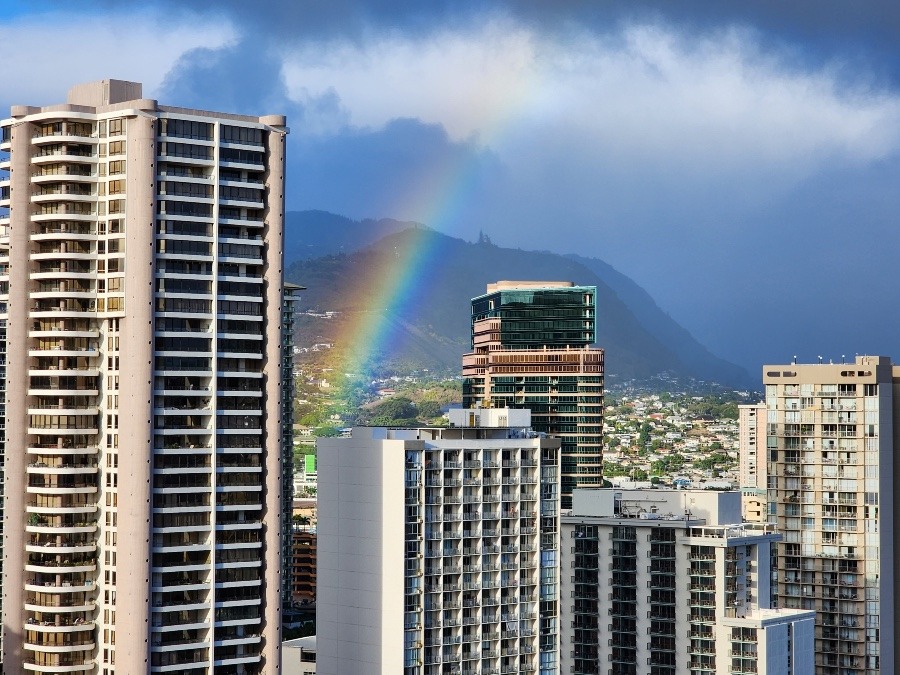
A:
307	643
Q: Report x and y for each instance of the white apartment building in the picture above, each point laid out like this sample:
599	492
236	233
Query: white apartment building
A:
437	549
671	582
752	461
831	436
142	291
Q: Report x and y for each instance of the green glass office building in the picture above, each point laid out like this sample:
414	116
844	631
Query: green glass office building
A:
532	348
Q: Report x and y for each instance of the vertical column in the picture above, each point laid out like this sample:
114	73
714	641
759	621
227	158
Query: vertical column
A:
16	405
274	281
136	402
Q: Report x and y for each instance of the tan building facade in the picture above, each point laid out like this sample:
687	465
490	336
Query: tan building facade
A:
144	307
831	433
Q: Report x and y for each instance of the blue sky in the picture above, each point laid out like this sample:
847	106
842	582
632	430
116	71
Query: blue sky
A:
739	160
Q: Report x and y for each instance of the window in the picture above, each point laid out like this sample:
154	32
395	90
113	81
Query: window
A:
186	129
117	126
117	148
245	135
241	156
187	189
185	150
117	166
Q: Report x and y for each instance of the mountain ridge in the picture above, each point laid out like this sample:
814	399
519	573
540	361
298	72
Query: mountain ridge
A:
431	331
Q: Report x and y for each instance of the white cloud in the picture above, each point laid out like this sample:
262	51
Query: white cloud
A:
467	81
647	95
46	54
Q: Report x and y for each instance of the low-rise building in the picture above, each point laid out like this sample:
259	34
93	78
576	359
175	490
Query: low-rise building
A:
671	582
299	656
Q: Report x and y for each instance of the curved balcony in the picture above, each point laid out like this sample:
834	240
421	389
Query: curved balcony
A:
57	431
64	350
58	604
54	232
48	488
61	528
60	547
74	586
65	410
60	566
54	449
65	136
66	156
80	328
67	309
68	214
62	384
63	255
61	664
66	270
50	643
79	625
64	294
63	197
81	173
85	371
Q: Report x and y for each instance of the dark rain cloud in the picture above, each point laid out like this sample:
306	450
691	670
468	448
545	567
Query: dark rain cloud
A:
825	30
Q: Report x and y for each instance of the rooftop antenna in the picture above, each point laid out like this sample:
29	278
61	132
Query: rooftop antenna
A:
795	360
843	357
820	359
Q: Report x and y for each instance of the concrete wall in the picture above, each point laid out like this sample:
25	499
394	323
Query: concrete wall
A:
717	508
360	563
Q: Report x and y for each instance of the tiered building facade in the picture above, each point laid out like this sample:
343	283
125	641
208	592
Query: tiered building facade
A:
831	433
531	348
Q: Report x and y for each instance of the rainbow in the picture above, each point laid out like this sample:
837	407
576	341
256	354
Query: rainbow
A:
395	286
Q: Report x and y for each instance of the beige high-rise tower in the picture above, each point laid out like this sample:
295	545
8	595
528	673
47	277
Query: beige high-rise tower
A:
143	303
830	440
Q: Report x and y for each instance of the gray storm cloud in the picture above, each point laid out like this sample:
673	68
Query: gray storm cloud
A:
737	159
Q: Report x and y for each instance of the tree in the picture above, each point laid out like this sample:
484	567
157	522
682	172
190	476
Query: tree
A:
429	409
613	469
396	408
644	436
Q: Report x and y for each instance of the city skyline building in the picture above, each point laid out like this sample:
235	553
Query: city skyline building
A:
438	549
831	435
671	582
752	464
532	348
144	412
287	436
